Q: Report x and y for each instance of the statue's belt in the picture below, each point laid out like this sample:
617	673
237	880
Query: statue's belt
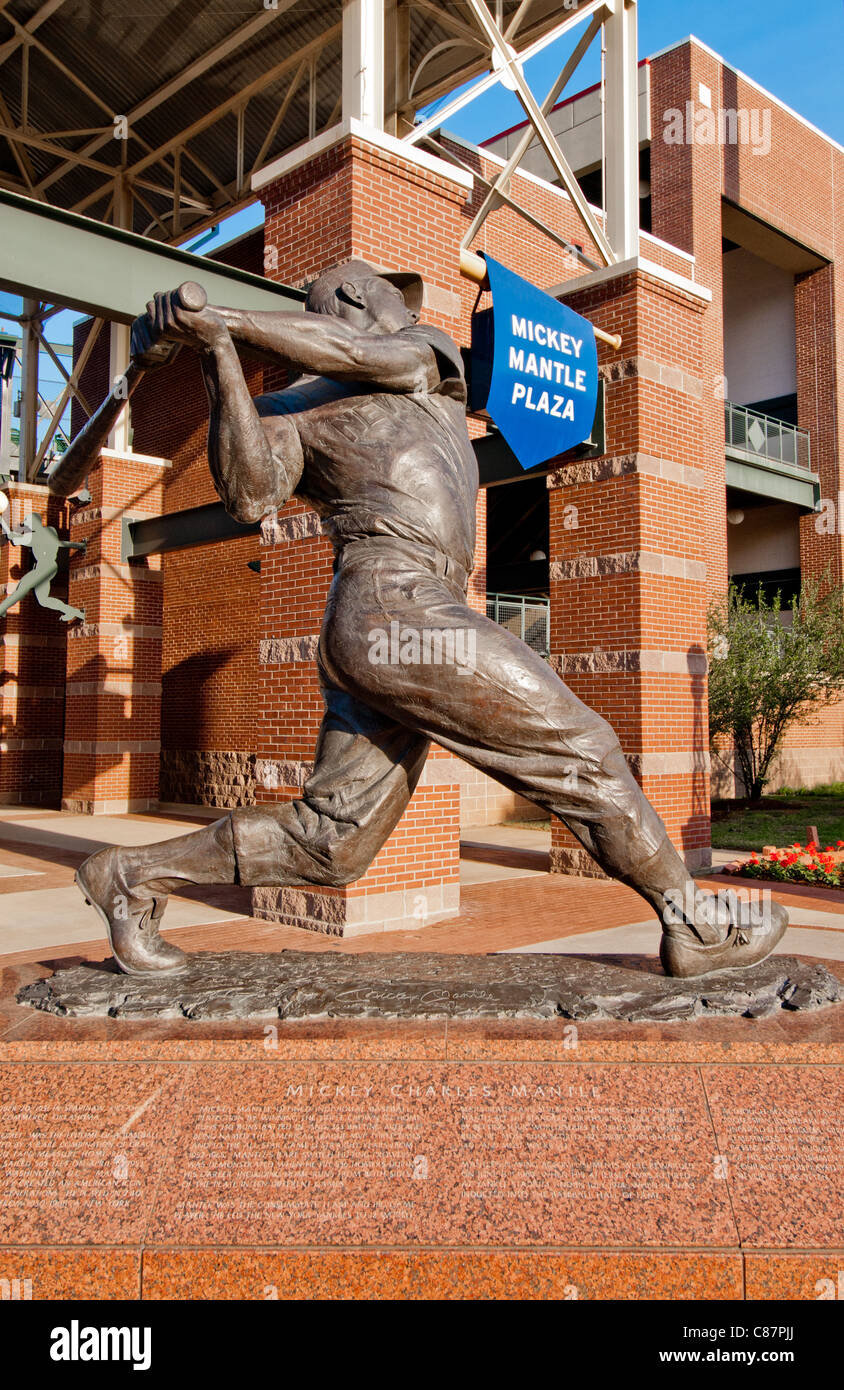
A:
425	556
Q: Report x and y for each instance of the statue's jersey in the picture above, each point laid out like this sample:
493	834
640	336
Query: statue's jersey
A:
385	463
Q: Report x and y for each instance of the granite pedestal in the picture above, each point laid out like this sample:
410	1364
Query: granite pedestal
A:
447	1157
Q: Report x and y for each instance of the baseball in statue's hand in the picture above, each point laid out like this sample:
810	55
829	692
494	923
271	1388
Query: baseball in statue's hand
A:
4	503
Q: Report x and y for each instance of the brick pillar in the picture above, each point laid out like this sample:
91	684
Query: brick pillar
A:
363	197
113	723
818	389
686	181
629	556
32	665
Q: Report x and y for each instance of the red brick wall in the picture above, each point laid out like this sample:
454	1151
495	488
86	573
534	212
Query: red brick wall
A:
112	723
686	212
818	403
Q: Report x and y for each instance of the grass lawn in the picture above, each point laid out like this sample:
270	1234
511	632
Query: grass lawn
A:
780	820
775	820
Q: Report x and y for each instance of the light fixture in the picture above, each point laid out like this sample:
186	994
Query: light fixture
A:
538	555
735	516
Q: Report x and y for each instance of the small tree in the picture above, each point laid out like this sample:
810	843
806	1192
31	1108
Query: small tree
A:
764	675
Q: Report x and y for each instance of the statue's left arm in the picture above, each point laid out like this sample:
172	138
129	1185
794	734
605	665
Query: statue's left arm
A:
255	462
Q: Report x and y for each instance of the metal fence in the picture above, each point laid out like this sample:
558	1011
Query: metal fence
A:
528	618
767	437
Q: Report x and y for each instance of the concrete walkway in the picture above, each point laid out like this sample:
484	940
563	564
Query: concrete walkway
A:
510	902
40	906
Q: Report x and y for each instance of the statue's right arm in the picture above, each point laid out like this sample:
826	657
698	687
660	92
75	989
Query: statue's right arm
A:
256	458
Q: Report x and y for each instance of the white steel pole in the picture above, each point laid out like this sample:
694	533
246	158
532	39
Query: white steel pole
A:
622	130
363	62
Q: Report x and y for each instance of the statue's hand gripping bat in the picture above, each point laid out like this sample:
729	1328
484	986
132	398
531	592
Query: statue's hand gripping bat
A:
71	469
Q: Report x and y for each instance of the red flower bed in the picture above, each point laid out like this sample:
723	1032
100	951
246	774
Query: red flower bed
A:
797	864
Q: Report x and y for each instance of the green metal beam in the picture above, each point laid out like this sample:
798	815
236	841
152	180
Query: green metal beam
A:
60	257
779	481
183	530
194	526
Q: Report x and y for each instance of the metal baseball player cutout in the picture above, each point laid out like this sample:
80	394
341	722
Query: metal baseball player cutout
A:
45	544
373	436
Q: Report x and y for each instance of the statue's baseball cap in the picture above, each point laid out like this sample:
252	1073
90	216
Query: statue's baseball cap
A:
323	289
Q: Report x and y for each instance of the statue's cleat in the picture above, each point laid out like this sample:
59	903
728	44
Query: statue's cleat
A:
131	920
746	943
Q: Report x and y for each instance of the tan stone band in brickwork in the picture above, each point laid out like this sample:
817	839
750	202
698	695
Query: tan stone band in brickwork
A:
622	465
110	806
282	775
110	514
661	372
33	639
276	530
577	862
276	775
139	630
31	692
106	569
668	764
110	686
628	562
355	915
97	746
630	662
28	745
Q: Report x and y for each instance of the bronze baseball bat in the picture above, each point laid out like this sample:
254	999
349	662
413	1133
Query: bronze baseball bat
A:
73	466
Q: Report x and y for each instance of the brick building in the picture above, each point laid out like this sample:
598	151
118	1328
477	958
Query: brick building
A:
746	187
192	681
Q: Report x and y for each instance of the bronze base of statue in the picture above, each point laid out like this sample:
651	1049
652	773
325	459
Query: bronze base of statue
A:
240	985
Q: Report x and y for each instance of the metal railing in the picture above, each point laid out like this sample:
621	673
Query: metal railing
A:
528	618
767	437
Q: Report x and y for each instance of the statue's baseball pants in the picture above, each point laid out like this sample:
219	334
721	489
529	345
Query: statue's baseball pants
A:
497	704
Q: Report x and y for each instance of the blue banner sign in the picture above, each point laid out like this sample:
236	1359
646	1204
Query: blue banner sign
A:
543	385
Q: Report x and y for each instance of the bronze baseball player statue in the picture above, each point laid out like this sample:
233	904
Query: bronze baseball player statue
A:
373	435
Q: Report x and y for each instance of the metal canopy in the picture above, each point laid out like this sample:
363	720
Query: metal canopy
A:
155	116
50	255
